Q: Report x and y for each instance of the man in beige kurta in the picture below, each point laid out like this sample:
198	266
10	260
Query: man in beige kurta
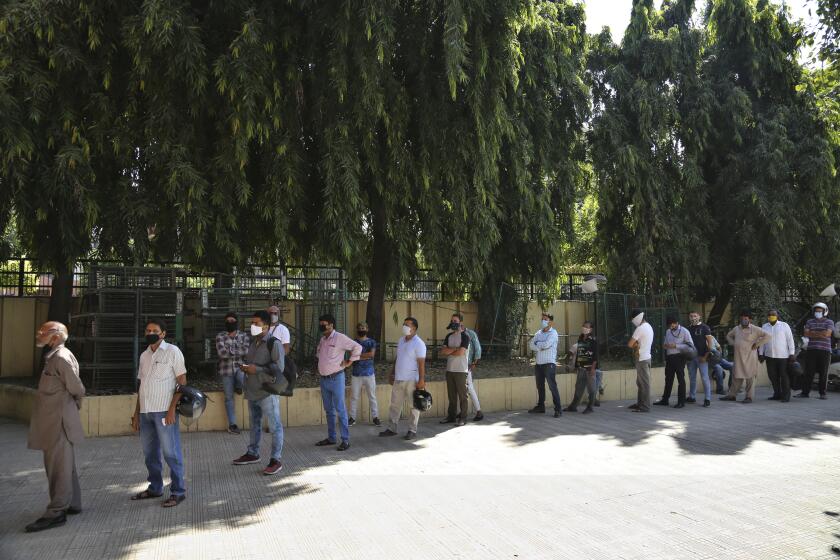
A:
745	338
55	426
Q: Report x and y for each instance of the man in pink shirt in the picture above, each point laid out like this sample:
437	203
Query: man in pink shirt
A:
332	349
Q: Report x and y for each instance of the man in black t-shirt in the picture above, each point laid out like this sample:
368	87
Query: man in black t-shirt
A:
701	335
586	362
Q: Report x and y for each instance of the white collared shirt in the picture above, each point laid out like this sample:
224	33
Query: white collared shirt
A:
281	333
158	372
781	345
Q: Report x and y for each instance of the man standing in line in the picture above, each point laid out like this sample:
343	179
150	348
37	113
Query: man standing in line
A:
544	344
455	348
331	365
160	371
231	348
701	335
641	343
474	355
818	329
586	362
746	338
278	330
55	426
364	376
263	363
777	354
677	338
407	375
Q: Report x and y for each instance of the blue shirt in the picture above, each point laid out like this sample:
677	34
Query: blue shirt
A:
364	368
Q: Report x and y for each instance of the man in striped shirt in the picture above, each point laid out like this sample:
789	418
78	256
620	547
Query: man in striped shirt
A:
161	370
544	344
818	355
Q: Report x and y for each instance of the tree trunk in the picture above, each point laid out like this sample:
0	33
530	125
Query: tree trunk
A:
61	300
379	269
722	300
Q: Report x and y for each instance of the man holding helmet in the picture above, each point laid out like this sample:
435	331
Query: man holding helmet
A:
407	375
818	329
55	426
160	371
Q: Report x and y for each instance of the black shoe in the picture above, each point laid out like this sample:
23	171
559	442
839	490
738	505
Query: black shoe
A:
597	402
588	410
537	410
448	421
691	400
351	421
388	432
479	416
376	422
727	398
410	436
325	442
661	402
679	405
570	408
73	511
47	523
774	398
633	407
801	396
784	400
343	446
234	429
557	414
707	403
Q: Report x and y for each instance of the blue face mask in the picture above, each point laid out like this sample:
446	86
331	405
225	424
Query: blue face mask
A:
544	323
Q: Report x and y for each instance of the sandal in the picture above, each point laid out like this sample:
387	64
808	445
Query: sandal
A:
145	495
173	501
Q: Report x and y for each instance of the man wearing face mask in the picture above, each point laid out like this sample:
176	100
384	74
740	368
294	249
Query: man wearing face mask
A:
544	344
364	376
818	353
745	338
231	347
641	343
264	359
331	364
407	375
278	330
677	339
701	335
586	361
160	371
456	347
55	426
778	354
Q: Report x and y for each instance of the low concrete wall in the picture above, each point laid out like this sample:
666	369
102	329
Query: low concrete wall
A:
109	416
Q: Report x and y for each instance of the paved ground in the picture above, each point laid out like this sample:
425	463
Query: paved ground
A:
733	481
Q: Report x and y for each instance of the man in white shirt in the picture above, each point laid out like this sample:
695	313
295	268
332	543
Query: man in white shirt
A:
641	342
544	344
161	370
407	375
777	354
278	330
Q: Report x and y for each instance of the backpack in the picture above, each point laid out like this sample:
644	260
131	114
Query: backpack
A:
282	382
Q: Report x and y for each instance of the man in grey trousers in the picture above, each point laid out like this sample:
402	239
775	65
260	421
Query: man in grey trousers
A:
641	343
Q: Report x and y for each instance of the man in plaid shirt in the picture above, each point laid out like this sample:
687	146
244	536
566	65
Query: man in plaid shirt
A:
231	347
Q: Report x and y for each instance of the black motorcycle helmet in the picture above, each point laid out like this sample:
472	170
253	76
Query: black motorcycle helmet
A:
422	400
192	403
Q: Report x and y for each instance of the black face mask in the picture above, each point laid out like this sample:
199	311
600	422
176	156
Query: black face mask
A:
322	328
453	326
230	326
361	334
152	338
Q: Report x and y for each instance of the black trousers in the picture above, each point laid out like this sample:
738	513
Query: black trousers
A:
816	361
777	371
675	367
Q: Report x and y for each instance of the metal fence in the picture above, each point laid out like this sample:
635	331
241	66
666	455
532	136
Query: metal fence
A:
614	327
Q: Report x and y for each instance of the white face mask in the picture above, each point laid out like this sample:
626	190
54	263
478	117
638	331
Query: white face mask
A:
256	330
818	314
637	320
406	330
543	323
275	319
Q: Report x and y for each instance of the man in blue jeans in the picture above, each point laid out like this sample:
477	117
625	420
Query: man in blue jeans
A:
544	344
332	349
264	361
701	335
160	370
231	348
